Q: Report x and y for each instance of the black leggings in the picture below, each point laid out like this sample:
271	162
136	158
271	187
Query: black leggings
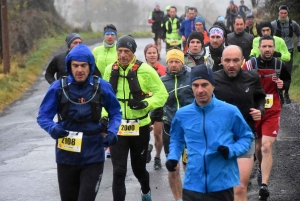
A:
138	146
289	66
79	183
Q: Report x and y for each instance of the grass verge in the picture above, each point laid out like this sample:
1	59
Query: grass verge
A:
295	85
24	70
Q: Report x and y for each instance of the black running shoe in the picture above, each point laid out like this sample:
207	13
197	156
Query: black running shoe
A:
150	147
264	192
157	163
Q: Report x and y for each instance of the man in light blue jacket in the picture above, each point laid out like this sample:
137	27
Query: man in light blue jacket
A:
215	134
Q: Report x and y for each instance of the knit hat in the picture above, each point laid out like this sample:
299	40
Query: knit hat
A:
202	72
231	2
196	35
284	7
249	15
265	23
157	4
175	54
71	37
216	30
200	19
127	41
220	24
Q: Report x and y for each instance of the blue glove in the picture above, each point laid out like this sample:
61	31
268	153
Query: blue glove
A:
171	165
224	151
110	139
58	132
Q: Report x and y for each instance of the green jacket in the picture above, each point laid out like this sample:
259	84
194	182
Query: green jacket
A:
150	83
104	56
280	46
170	28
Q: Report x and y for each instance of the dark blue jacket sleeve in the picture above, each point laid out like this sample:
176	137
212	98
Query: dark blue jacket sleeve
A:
112	106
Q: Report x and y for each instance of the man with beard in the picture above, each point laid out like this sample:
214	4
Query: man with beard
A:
215	47
244	90
274	76
240	38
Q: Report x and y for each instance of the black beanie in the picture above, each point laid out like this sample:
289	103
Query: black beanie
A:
202	72
127	41
196	35
265	23
71	37
221	25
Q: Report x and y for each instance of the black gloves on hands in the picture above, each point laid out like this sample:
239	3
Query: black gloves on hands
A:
224	151
171	165
298	48
58	132
137	105
276	54
110	139
104	122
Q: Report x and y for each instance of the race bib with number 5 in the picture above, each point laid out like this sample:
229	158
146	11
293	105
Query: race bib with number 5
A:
71	143
269	101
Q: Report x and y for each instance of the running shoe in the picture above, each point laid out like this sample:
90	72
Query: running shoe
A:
146	197
157	163
150	147
264	192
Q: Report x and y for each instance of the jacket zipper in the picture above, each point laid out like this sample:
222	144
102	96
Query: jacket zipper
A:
176	95
204	161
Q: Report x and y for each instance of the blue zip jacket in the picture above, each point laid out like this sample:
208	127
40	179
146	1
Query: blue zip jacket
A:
92	149
186	27
204	129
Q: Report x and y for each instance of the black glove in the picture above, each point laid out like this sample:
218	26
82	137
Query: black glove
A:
137	105
171	165
224	151
298	48
58	132
110	139
276	54
104	122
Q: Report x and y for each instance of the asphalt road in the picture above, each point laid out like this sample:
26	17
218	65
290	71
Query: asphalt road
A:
28	168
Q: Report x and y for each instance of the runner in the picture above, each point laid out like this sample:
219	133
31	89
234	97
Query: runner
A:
242	89
80	134
139	90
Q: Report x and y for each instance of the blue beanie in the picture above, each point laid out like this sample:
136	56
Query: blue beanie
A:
202	72
200	19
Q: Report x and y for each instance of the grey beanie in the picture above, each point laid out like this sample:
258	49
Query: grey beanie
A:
202	72
127	41
71	37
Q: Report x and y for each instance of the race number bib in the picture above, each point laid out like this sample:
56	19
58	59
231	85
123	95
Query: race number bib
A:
71	143
269	101
173	42
129	128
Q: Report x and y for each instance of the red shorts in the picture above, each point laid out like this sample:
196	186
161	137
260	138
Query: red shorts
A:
268	125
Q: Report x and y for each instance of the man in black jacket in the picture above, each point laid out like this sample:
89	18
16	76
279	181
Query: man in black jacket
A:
57	65
240	38
244	90
157	31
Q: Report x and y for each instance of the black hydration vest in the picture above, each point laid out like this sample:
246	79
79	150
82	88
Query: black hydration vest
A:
134	86
65	101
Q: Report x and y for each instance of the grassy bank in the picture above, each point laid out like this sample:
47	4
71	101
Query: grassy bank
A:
295	86
24	70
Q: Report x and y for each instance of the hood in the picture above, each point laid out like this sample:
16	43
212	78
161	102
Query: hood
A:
265	23
80	53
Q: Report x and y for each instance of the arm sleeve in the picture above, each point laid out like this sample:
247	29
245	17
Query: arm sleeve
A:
285	54
112	106
243	135
51	70
255	51
297	31
177	139
285	76
181	29
259	95
48	109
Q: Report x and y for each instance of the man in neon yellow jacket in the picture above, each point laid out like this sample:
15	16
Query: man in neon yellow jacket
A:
281	50
107	52
139	90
